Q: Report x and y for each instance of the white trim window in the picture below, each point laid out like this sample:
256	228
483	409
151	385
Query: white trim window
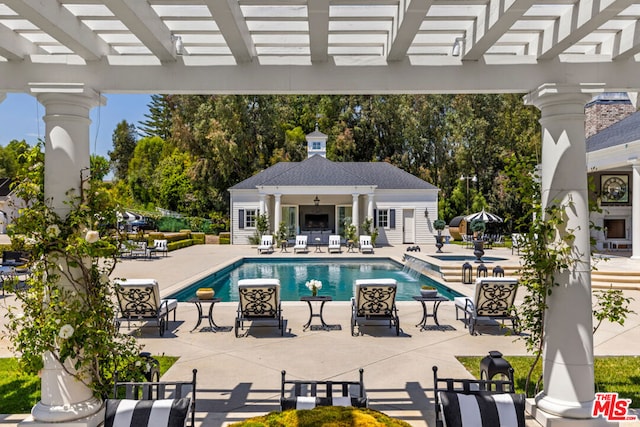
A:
383	218
250	218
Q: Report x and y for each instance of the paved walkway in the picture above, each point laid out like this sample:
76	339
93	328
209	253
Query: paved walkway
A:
240	377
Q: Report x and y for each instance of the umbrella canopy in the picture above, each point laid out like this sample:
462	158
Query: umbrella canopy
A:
483	215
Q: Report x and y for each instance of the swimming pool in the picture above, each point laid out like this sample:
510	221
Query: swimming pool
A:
337	277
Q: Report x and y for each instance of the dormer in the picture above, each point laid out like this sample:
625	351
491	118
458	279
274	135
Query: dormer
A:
316	143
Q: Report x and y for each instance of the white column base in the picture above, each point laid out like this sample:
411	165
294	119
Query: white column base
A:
546	419
93	420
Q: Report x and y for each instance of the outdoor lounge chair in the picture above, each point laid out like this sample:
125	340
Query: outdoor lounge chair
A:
266	244
365	244
152	404
334	244
301	244
139	299
259	303
309	394
486	403
374	303
140	249
159	246
493	299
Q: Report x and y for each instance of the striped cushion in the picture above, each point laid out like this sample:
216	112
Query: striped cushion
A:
149	413
482	409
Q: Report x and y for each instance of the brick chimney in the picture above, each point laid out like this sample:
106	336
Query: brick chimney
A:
606	109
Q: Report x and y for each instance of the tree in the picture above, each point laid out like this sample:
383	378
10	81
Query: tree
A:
160	117
99	167
142	169
124	143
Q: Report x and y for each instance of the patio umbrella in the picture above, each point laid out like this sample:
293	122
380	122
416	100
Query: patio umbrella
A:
483	215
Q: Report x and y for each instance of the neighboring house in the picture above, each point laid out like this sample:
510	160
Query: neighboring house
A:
613	157
7	211
316	195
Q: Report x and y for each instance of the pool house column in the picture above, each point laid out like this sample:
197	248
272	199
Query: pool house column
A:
64	399
276	212
370	200
354	211
568	341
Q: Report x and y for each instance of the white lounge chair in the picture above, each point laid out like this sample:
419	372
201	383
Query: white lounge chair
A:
161	246
334	244
266	244
301	244
374	303
365	244
259	303
139	299
493	300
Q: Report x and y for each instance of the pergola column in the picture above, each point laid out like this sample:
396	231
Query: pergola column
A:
354	212
635	209
568	341
65	399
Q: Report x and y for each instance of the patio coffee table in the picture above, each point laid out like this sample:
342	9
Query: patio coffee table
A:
198	303
309	300
425	312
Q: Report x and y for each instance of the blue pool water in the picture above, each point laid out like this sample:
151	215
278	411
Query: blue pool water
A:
337	277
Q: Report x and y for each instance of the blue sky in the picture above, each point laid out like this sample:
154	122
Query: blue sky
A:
21	118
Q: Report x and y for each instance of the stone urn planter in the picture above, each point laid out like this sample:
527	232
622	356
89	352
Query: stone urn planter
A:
478	250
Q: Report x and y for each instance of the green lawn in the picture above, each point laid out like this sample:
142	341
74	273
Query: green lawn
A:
21	391
612	374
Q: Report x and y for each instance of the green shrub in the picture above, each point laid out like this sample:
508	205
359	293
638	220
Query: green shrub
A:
334	416
198	238
224	238
172	246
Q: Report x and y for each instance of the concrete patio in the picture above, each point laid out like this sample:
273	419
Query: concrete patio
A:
240	377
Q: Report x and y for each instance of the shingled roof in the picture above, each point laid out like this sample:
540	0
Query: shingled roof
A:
318	171
625	131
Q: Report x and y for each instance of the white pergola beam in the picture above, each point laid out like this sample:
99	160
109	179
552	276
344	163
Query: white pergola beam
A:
627	42
319	30
52	18
410	20
583	18
497	21
144	23
234	29
327	78
13	46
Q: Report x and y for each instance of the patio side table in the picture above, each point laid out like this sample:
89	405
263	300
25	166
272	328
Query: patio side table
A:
425	312
209	316
322	300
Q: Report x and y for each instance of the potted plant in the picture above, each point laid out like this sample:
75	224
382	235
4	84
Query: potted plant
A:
439	225
427	291
283	234
478	227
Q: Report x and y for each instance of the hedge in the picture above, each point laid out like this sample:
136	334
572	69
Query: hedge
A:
224	238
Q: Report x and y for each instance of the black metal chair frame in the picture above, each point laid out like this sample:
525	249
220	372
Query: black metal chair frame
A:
374	305
158	390
323	391
138	302
259	305
493	300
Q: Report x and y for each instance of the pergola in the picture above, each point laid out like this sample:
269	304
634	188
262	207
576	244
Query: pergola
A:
69	52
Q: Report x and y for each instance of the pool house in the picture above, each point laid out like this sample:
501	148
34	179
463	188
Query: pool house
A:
315	196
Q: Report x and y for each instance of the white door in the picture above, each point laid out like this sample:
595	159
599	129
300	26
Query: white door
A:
408	226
